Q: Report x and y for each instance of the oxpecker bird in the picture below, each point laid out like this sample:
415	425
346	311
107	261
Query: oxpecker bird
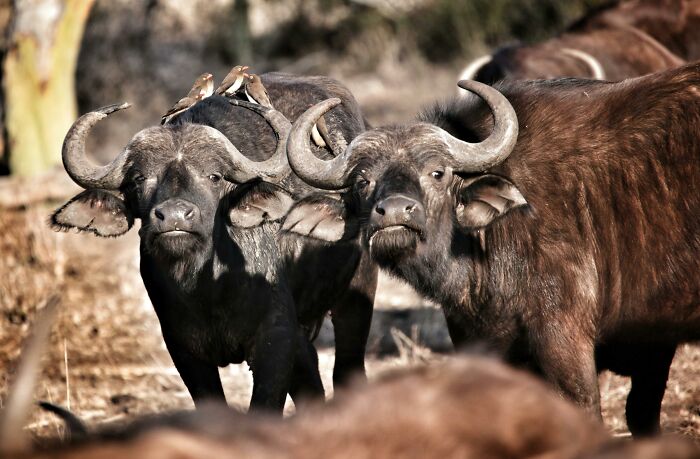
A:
233	81
203	87
256	92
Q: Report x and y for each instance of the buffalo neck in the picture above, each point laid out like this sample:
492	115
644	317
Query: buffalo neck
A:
448	271
227	260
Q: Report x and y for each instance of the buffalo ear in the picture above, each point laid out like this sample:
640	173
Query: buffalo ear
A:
256	203
321	217
481	200
94	211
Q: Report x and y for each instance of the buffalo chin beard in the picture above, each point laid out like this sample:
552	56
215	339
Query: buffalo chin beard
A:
388	245
174	244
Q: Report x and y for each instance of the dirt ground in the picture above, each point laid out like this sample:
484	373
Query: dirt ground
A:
106	359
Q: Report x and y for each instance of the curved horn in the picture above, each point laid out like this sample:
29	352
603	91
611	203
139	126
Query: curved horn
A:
272	169
472	69
597	71
81	170
475	157
328	175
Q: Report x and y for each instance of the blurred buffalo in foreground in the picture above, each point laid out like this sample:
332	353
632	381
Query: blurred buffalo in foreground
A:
559	224
468	407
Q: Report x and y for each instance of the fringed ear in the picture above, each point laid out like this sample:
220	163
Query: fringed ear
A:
321	217
483	199
95	211
257	203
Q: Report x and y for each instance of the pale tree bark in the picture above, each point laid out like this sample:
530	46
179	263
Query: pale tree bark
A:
39	80
241	31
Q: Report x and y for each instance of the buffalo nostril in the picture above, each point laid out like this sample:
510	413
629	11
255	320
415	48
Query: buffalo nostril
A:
159	214
189	213
380	210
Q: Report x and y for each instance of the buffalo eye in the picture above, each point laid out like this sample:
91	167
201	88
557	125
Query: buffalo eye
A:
437	175
362	185
215	178
139	178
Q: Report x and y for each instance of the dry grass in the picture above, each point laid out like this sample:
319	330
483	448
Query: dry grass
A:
105	321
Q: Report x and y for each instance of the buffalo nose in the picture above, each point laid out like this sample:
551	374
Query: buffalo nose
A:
175	212
398	210
396	206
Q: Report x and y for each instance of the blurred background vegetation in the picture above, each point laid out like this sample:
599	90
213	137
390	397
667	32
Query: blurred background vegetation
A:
149	51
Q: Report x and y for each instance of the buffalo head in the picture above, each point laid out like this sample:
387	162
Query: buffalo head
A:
404	185
177	179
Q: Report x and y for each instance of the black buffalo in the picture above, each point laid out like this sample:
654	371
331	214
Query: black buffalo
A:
569	250
225	289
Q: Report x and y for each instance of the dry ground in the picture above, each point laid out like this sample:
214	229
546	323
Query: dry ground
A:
106	358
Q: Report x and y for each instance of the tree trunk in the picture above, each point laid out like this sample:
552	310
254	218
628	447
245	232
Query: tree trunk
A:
241	31
39	80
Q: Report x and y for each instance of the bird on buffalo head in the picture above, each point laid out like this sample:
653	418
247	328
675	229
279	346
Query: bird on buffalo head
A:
256	92
233	81
202	88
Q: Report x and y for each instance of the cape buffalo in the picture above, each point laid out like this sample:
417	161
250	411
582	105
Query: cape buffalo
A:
411	413
224	288
673	23
570	247
603	49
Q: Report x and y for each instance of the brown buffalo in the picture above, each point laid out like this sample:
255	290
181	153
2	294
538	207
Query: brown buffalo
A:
601	46
468	407
673	23
569	246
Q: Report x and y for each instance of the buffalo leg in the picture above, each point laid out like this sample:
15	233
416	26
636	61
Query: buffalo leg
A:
306	380
273	362
201	378
456	329
352	317
567	359
649	376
